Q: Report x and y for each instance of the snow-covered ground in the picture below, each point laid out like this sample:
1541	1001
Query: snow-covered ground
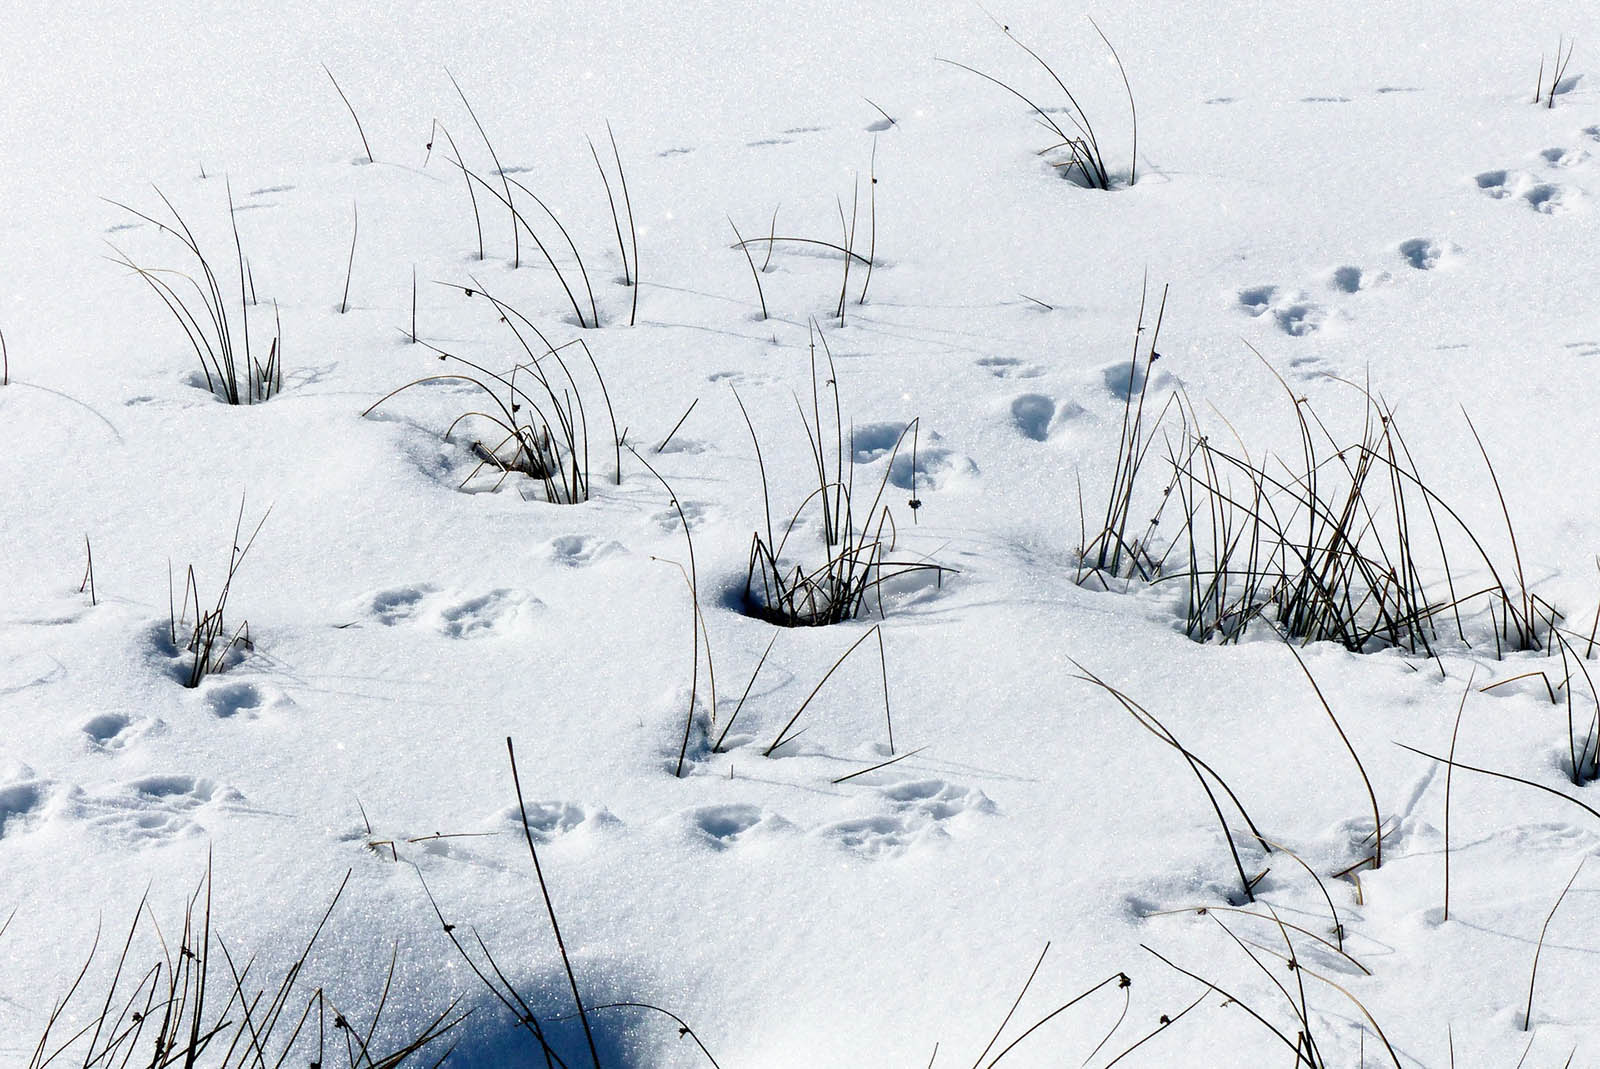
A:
1361	192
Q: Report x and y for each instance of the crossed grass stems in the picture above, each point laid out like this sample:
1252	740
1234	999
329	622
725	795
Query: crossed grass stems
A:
1084	161
856	546
538	422
206	638
1332	546
224	350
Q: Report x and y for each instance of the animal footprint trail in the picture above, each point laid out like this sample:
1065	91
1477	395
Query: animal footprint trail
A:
1424	254
103	730
238	698
1008	367
19	805
722	826
113	732
499	611
390	607
1294	313
154	808
481	615
576	551
917	812
937	465
550	821
1032	413
1347	279
1546	198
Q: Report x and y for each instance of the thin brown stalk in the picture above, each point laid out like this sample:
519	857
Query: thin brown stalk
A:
516	240
633	233
742	245
1449	773
1377	820
352	111
350	268
1527	1019
550	909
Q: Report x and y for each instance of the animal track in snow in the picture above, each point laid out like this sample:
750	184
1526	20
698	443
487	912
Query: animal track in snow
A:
1346	279
1547	198
452	615
1257	299
19	802
549	821
103	729
1565	157
1423	254
723	825
1294	313
153	808
935	799
240	698
879	836
1032	413
110	732
1309	366
936	465
1299	318
577	550
390	607
919	811
695	511
1008	367
1125	382
484	614
1550	198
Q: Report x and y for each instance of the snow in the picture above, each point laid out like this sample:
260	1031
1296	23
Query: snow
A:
1361	192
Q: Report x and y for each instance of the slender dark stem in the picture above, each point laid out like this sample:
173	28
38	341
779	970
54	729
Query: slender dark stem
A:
352	110
350	268
633	233
742	245
550	908
676	425
772	238
472	196
1133	167
1377	820
784	736
880	764
813	241
1007	1018
88	573
1449	771
1505	776
1527	1019
516	238
889	118
616	223
872	220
